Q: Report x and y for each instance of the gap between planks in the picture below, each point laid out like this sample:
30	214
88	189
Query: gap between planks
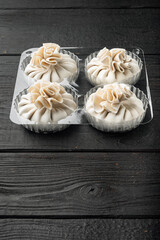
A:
80	217
78	151
70	8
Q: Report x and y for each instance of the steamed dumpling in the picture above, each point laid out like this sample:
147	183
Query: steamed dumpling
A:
46	102
113	66
114	104
49	64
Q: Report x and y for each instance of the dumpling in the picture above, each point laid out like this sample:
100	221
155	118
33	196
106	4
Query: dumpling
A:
111	66
115	105
49	64
46	102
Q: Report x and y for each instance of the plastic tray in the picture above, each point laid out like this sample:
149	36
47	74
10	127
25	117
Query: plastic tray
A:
82	85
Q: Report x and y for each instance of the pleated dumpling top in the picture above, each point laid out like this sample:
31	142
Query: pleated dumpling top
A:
46	102
49	64
114	103
111	66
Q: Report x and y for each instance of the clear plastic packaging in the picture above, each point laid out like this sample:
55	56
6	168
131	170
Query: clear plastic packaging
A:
45	128
117	127
80	92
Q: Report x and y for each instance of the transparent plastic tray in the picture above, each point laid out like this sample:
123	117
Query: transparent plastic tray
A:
82	85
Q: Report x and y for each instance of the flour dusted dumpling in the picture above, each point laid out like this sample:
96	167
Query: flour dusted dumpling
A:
46	102
113	65
115	104
49	64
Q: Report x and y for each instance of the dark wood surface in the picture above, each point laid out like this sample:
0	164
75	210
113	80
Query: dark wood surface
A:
79	229
80	183
101	184
29	4
26	28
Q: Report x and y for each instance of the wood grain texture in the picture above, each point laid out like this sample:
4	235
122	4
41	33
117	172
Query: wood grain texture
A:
79	184
23	29
10	4
75	138
76	187
79	229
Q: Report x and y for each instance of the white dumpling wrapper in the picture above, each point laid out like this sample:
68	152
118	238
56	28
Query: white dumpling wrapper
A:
112	66
50	65
46	102
114	104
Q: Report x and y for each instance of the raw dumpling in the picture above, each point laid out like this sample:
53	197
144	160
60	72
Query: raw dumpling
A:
111	66
49	64
46	103
114	104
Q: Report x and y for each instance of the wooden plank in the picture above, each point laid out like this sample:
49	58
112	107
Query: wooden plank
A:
97	184
23	29
79	229
9	4
75	138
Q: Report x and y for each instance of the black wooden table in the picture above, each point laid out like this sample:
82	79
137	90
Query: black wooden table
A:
79	183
